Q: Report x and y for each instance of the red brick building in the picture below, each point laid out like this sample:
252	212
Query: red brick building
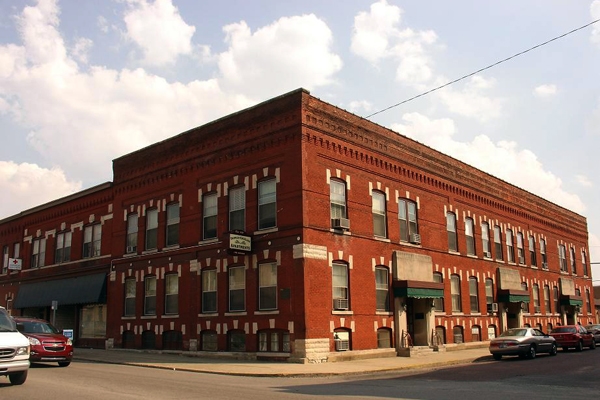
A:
297	230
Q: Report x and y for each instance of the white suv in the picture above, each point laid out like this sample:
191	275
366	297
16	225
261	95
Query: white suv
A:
14	350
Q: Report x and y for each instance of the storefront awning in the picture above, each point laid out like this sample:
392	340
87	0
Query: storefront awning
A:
513	296
89	289
418	289
566	300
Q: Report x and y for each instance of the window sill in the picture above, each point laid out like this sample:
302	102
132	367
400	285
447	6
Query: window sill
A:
499	260
340	231
266	230
382	239
151	251
170	316
129	317
339	312
381	312
208	315
270	312
409	244
453	252
172	247
235	313
458	313
148	317
208	241
534	267
472	255
128	255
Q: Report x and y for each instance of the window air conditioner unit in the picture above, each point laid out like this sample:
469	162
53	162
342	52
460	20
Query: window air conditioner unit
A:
342	345
340	304
415	238
545	265
130	249
494	307
487	254
341	223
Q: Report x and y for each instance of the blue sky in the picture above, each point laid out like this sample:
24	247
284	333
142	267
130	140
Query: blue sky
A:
84	82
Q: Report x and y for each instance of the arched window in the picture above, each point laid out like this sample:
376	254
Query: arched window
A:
457	333
440	333
236	340
148	340
476	333
382	288
342	339
172	340
455	293
491	332
470	235
384	338
451	230
473	294
439	303
274	340
208	340
407	218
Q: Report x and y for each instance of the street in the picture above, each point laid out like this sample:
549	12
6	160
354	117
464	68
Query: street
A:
568	375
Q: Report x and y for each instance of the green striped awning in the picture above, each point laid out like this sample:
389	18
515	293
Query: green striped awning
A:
418	289
513	296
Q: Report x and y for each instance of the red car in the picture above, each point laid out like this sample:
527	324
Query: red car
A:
575	336
47	343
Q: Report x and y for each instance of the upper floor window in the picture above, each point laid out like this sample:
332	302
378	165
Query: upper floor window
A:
455	293
547	299
129	306
150	295
340	286
172	234
532	256
38	255
237	288
92	236
132	233
520	249
407	217
5	259
543	254
267	286
337	199
485	240
489	292
151	229
382	288
555	298
524	287
562	257
237	208
379	214
209	216
267	204
209	290
510	251
171	294
473	295
584	262
536	298
438	303
62	253
470	235
588	304
451	229
498	243
573	262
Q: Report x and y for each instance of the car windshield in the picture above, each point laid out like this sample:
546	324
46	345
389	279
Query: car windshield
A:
6	323
35	327
564	329
588	327
514	332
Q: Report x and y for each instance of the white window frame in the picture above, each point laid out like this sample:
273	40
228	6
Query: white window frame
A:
209	290
379	211
267	204
267	286
237	208
151	229
237	288
171	294
172	228
149	294
210	211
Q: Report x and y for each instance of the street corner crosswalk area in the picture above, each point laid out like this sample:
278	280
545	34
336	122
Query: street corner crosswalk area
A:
194	362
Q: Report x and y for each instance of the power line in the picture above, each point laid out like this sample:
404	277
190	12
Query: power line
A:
483	69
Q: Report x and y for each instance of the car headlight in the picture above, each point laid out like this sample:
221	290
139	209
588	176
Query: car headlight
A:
34	342
23	351
69	342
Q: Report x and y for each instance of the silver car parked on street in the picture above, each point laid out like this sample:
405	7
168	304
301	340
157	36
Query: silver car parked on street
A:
522	342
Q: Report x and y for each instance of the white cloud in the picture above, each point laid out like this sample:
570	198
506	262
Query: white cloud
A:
584	180
19	183
595	12
358	105
471	101
158	30
593	121
547	90
290	53
81	48
102	24
502	159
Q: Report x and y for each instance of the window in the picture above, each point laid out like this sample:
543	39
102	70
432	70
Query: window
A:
172	224
384	338
555	298
341	339
451	229
237	340
476	333
526	306
440	335
457	332
379	215
5	259
91	240
151	229
38	255
92	321
337	199
150	295
573	262
498	243
438	303
489	293
562	258
455	293
237	208
532	256
267	286
491	332
588	304
382	288
520	249
469	233
209	290
267	204
510	251
340	286
543	254
132	233
485	240
171	294
62	252
237	288
209	341
473	295
274	341
547	299
407	217
536	298
209	216
129	306
584	263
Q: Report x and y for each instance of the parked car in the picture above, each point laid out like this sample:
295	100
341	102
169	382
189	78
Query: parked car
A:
14	350
522	342
594	330
47	343
575	336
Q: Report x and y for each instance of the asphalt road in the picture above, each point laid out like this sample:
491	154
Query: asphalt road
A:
569	375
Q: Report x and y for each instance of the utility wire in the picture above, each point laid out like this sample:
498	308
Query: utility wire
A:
483	69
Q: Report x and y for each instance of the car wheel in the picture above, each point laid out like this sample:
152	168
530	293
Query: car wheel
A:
64	363
553	350
531	353
18	378
579	346
497	357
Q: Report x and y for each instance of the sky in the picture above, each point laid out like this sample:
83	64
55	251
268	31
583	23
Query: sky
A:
85	82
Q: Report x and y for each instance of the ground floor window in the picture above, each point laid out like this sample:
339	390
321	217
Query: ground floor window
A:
341	339
384	338
274	341
237	340
208	340
148	340
172	340
128	340
491	332
93	321
457	332
476	333
440	333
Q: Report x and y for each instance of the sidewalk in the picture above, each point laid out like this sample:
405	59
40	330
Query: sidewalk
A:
192	363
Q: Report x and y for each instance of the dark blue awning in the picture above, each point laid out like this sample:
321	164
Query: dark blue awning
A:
88	289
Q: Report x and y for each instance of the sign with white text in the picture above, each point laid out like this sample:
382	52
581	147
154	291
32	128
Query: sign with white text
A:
14	264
